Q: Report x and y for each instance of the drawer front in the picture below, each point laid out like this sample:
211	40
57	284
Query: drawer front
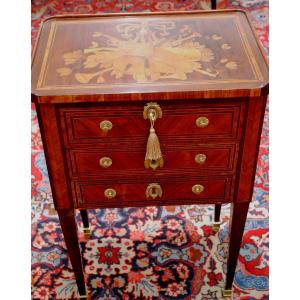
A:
132	194
206	158
103	124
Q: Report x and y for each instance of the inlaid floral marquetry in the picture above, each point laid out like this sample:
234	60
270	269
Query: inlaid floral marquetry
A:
195	51
145	51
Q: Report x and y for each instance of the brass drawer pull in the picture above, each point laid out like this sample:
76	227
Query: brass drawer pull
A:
110	193
153	190
202	122
105	162
105	126
200	158
153	157
197	189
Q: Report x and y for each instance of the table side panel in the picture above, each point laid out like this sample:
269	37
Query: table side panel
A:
55	158
249	156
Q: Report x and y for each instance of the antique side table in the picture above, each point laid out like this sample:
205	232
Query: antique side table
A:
150	109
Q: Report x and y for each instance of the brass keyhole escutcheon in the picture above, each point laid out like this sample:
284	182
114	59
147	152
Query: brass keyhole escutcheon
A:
197	189
110	193
153	190
154	163
200	158
202	122
105	162
152	111
105	126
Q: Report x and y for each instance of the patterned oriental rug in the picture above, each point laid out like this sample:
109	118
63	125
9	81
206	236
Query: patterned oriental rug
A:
155	252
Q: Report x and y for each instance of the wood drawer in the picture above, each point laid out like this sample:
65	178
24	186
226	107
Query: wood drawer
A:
82	125
133	194
217	158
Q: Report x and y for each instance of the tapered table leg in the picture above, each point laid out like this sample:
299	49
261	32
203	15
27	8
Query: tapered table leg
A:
217	223
85	221
239	212
213	4
85	218
69	229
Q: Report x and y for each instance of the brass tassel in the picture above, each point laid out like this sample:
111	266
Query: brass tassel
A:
153	157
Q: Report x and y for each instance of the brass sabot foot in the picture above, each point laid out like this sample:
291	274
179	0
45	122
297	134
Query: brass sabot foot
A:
87	232
227	293
216	227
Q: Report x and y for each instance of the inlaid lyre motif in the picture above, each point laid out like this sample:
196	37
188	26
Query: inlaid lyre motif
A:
146	52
